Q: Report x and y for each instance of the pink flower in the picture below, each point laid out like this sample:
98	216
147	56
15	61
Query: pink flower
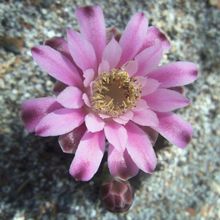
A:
110	87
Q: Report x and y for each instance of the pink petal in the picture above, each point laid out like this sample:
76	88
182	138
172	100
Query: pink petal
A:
103	67
165	100
120	164
141	105
149	59
123	119
112	53
89	76
133	37
60	44
70	141
56	64
174	129
33	110
131	67
70	97
88	156
116	135
150	85
140	149
86	99
94	123
103	116
59	122
175	74
155	34
81	51
145	118
92	27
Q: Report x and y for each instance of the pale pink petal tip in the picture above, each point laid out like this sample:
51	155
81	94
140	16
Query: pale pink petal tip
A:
70	97
88	77
103	67
112	53
94	123
88	156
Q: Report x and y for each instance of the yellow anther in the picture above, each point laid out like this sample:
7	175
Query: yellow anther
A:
114	93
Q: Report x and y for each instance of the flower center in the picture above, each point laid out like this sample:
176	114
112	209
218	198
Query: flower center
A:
114	92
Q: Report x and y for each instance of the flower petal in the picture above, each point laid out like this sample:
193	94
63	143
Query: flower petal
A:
88	77
56	64
174	129
165	100
123	119
103	67
92	27
70	141
150	85
112	53
131	67
86	99
88	156
71	97
59	122
120	164
33	110
133	37
141	105
116	135
155	34
94	123
175	74
140	149
81	51
145	118
149	59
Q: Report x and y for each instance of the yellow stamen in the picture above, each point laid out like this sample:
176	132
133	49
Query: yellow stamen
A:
114	93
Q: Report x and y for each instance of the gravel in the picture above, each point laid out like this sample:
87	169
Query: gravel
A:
34	179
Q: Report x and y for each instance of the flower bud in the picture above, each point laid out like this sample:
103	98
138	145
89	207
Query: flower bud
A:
117	195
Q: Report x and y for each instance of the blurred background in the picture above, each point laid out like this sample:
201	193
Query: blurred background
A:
34	179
